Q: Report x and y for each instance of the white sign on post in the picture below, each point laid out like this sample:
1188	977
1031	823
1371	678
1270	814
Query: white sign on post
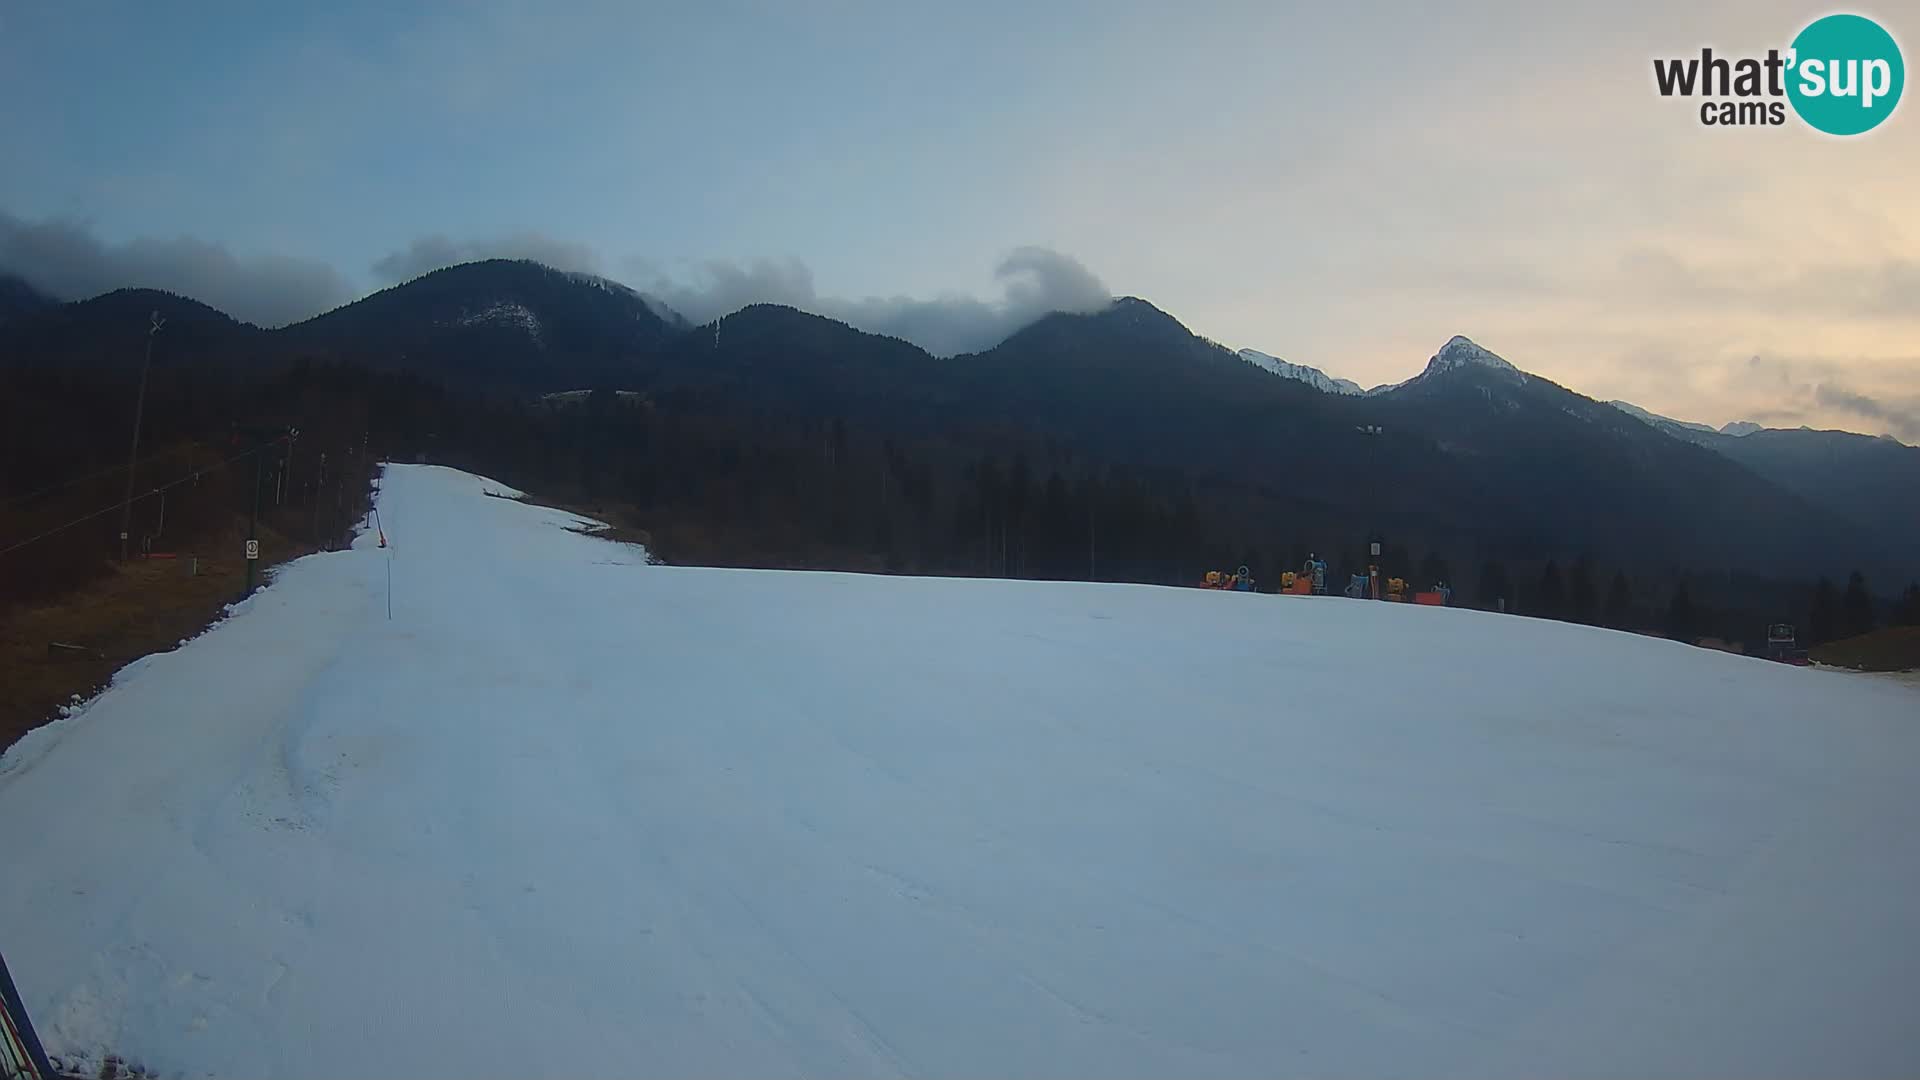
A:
253	549
1376	547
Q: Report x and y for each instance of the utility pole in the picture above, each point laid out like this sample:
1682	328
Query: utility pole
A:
253	522
340	493
1093	565
133	451
318	486
1372	431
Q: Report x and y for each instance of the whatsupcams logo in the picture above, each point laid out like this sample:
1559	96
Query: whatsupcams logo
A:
1842	75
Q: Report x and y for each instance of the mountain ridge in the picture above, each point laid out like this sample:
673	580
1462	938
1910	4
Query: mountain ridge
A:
1312	376
1474	450
19	299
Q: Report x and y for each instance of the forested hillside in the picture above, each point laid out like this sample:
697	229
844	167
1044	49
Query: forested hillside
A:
1115	445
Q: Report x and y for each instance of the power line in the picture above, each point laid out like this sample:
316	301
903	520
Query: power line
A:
108	471
128	502
133	448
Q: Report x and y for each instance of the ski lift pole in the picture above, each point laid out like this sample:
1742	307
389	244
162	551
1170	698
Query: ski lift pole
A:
253	522
19	1028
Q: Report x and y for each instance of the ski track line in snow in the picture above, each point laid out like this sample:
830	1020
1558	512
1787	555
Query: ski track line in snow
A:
565	807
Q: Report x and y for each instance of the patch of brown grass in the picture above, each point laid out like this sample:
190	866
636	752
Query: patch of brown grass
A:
139	607
1738	648
1893	648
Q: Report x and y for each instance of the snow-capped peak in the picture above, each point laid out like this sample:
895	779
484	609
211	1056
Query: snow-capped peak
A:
1658	420
1460	352
1312	376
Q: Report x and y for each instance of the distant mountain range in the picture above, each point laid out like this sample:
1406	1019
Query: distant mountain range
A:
1473	452
1312	376
1872	481
1687	429
1326	383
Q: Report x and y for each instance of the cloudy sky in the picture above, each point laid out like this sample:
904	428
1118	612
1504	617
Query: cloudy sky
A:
1342	185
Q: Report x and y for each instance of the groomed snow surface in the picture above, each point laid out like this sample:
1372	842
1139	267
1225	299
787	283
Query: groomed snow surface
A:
570	814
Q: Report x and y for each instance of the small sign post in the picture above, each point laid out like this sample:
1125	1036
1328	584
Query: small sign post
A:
253	548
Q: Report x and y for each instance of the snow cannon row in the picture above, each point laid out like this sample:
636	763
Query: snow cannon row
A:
1396	590
1292	584
1238	581
1311	580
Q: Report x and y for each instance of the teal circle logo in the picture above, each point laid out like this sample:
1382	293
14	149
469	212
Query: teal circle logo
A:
1845	74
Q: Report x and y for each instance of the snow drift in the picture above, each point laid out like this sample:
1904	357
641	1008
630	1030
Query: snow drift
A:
569	813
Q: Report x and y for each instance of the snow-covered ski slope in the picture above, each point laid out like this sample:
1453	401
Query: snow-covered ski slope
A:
570	814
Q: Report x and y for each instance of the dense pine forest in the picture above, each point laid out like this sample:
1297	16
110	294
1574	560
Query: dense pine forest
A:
1113	446
714	479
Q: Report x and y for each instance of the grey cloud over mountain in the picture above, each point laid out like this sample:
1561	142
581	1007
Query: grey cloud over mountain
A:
66	260
1033	282
431	252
